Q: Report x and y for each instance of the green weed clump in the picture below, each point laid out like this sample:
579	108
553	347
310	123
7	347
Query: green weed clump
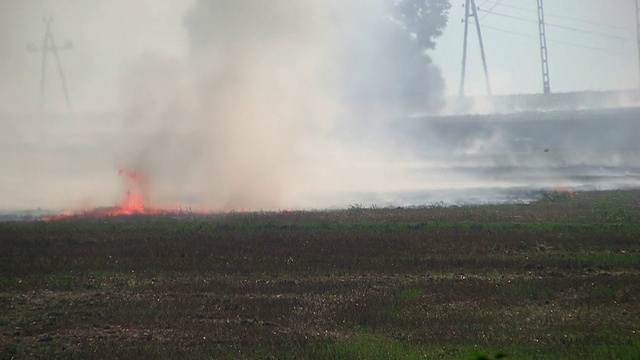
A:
484	356
366	347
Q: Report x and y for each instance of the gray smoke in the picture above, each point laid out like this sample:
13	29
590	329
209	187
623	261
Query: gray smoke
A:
278	103
250	120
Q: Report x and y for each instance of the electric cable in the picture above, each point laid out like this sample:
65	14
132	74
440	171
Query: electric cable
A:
489	12
547	14
595	33
568	43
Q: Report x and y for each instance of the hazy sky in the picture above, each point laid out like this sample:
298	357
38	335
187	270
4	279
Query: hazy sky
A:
188	118
514	60
110	34
107	36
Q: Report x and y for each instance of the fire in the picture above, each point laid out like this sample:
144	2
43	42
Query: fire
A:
562	189
136	201
561	192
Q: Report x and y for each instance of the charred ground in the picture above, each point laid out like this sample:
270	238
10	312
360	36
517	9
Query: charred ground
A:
558	278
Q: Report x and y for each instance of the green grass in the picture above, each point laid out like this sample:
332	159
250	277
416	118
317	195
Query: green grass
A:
367	347
556	279
202	227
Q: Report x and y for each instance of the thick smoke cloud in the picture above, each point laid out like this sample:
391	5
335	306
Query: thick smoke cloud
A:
57	159
250	120
272	104
218	104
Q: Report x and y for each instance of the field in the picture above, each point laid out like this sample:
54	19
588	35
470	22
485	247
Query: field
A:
555	279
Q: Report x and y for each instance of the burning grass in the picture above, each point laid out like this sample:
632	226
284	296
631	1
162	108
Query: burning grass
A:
136	202
554	279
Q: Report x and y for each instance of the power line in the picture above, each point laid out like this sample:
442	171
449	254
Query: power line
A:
595	33
512	7
514	17
490	10
608	51
589	22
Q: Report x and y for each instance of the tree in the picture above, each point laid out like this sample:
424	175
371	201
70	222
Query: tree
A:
424	18
394	70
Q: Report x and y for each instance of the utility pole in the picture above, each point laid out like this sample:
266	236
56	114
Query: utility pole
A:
546	83
638	35
49	45
472	11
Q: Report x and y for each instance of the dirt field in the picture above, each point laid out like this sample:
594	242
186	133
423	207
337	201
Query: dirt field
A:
556	279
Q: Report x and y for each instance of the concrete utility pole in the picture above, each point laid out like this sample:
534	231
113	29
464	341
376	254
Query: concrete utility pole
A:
638	35
49	45
546	83
472	11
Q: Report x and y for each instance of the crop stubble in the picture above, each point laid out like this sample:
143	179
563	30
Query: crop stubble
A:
558	278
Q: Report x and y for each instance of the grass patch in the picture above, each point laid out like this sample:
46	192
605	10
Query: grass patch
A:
556	279
367	347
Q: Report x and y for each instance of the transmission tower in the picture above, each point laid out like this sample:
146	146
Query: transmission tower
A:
638	33
543	49
49	45
472	11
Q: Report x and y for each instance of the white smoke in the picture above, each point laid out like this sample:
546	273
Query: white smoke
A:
249	121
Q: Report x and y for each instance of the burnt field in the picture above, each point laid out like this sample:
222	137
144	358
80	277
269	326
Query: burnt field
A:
558	278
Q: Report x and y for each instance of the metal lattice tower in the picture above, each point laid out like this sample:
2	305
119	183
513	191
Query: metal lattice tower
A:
638	35
49	45
472	11
543	49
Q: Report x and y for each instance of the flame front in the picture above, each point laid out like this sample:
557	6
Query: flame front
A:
134	200
137	201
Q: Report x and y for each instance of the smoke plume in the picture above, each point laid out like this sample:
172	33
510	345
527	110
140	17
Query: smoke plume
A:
257	114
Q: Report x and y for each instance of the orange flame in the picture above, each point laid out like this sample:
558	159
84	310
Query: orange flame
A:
562	189
135	202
